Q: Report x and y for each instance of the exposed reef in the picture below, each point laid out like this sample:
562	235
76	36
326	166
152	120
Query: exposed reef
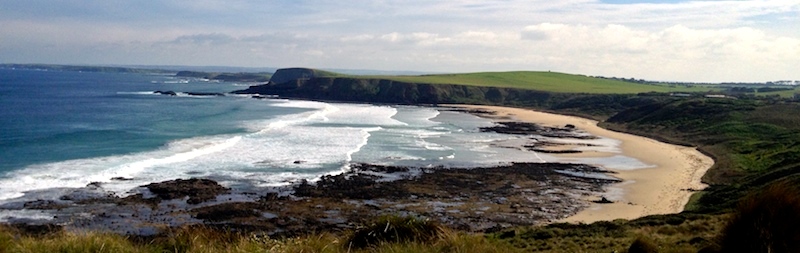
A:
525	128
173	93
476	199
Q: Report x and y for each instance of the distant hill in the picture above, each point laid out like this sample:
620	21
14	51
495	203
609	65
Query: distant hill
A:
288	75
209	69
181	71
519	87
542	81
111	69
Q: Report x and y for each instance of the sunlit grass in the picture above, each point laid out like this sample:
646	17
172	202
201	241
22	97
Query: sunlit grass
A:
543	81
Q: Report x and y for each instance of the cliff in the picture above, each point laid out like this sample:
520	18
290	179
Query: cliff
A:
315	84
377	90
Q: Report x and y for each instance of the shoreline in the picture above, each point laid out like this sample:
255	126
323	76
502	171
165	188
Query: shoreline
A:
663	189
488	199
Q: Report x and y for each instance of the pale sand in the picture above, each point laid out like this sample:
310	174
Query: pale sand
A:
657	190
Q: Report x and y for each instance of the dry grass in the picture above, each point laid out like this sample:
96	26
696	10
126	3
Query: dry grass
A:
202	239
764	222
767	221
668	233
395	229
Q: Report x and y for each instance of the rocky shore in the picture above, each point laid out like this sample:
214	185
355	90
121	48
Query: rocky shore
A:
475	199
468	199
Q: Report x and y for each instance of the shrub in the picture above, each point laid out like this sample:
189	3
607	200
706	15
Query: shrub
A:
643	245
393	229
768	221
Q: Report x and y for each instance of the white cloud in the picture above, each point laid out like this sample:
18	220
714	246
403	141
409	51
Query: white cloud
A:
677	52
357	38
691	40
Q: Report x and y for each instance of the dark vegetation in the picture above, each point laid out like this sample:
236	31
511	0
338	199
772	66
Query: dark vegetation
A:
766	221
395	229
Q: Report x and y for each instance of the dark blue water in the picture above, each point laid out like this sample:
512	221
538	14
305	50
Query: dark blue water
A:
52	116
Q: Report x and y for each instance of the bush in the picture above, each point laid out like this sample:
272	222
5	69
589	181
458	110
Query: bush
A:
768	221
393	229
643	245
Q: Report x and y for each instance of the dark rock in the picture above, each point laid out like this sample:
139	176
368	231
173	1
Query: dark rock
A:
168	93
121	179
526	128
214	94
299	162
546	151
271	196
198	190
603	200
228	211
173	93
43	205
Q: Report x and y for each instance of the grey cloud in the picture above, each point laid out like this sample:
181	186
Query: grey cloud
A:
205	39
534	35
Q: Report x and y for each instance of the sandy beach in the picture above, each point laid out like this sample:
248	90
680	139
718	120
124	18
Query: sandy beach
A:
659	189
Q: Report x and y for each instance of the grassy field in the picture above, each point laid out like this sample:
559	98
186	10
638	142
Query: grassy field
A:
784	94
680	235
543	81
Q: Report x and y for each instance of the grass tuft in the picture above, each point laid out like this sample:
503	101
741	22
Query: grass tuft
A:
395	229
768	221
643	245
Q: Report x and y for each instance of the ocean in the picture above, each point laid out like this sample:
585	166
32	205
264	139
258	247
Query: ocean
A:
64	130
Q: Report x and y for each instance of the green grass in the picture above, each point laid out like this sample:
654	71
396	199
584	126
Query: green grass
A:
783	93
543	81
325	73
669	233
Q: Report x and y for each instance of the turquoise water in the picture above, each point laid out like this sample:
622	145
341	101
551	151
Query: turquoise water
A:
53	116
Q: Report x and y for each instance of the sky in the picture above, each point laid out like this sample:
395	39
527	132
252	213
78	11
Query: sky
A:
665	40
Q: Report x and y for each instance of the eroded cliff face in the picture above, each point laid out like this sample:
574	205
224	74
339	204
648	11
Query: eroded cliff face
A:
388	91
309	84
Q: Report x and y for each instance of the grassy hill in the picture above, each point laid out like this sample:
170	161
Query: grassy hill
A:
542	81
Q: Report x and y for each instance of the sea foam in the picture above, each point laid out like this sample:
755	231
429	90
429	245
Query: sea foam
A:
273	151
